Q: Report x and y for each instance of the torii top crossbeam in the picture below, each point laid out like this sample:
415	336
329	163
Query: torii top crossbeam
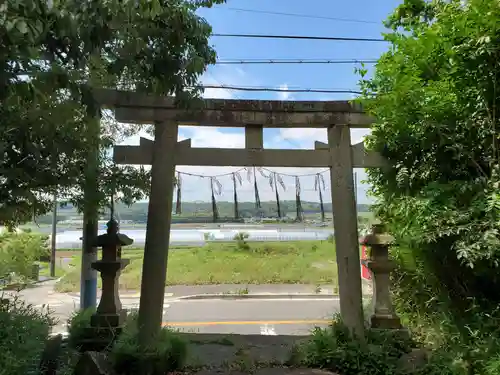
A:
132	107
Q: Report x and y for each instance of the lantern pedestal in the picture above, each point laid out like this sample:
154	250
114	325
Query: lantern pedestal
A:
384	316
107	322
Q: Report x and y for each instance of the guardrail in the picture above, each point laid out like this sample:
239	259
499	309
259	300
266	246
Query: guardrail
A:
279	236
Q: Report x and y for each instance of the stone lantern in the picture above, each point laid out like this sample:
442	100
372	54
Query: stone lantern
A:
380	265
107	321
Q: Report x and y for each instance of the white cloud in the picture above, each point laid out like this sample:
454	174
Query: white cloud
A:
206	136
215	92
224	76
303	136
283	95
135	139
309	135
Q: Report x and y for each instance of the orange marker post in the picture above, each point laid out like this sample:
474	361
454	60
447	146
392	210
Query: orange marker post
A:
365	272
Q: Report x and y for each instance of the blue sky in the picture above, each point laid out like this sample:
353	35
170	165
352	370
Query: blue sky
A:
226	18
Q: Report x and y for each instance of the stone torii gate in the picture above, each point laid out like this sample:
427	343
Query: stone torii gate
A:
166	152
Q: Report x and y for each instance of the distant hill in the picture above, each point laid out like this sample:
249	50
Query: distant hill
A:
203	210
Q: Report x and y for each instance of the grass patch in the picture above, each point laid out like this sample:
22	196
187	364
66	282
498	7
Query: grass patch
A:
300	262
45	270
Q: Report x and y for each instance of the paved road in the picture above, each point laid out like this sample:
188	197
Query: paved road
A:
267	316
246	316
250	316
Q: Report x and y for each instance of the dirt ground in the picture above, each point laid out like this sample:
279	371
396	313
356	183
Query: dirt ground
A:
262	371
212	354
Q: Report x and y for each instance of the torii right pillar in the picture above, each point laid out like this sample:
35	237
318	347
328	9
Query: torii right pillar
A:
345	223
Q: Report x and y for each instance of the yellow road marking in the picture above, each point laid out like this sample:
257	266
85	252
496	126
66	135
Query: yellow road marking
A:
242	323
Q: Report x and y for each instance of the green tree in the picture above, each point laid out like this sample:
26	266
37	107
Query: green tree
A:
37	152
53	56
435	96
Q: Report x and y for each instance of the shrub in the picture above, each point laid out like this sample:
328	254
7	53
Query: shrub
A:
467	334
241	240
23	332
439	197
278	248
443	362
19	251
492	366
78	324
167	353
335	349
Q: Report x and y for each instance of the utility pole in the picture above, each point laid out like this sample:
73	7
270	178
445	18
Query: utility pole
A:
88	284
53	239
88	281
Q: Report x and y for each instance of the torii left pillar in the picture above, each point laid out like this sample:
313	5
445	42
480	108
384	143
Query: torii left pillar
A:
346	228
154	267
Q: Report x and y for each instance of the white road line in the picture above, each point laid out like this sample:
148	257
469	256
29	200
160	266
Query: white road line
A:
267	330
49	305
135	308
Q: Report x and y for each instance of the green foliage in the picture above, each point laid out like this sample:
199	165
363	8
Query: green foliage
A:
443	362
335	349
467	340
294	262
18	253
364	224
493	365
78	325
167	353
383	353
38	152
54	55
241	240
23	332
411	14
435	103
434	95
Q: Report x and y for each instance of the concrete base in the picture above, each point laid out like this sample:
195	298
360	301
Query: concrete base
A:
385	322
99	339
401	334
99	320
102	333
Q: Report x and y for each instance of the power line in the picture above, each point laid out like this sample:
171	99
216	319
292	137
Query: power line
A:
271	89
345	39
311	16
219	82
293	61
